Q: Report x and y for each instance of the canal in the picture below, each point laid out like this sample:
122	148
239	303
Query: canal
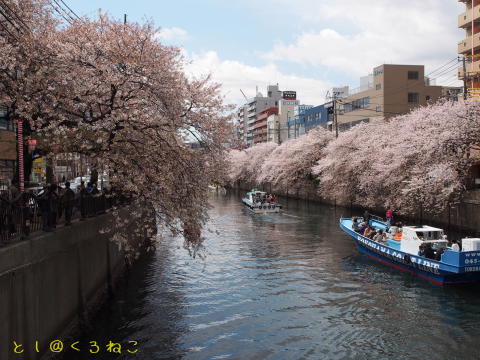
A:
286	286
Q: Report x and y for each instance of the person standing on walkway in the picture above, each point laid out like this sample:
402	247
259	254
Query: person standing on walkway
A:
44	206
83	200
54	201
389	216
68	199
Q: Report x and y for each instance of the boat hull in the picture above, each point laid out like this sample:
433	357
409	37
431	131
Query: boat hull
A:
262	209
431	270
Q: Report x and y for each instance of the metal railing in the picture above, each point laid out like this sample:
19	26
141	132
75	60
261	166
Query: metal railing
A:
30	213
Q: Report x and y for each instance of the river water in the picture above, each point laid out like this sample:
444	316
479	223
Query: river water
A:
283	286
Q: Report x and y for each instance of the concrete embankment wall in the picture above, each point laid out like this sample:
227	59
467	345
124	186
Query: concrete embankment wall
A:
49	283
464	216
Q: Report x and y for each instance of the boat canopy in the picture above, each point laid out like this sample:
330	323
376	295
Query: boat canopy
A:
423	233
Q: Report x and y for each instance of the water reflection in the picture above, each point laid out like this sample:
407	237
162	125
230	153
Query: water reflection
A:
285	286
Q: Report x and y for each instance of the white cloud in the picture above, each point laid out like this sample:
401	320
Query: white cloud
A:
235	75
173	34
373	32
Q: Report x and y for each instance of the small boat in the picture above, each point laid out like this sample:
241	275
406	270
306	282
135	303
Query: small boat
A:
257	202
216	188
447	267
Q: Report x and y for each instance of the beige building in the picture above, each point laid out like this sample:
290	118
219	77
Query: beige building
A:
277	128
273	129
395	90
469	47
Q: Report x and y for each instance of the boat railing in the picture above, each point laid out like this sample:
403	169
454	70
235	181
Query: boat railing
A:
378	218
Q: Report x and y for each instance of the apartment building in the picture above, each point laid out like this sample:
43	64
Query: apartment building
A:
392	90
260	129
254	107
469	47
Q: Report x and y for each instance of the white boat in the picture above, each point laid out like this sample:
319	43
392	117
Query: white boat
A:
257	202
217	188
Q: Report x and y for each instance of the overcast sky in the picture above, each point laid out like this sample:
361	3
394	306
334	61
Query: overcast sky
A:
304	45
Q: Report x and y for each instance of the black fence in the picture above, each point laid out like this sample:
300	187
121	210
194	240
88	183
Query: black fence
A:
29	213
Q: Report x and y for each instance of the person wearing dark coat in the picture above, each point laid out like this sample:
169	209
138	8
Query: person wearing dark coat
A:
68	200
366	216
54	203
43	201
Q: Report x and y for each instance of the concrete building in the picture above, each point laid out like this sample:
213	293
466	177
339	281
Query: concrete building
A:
260	128
395	90
8	148
469	47
273	128
255	106
286	113
240	126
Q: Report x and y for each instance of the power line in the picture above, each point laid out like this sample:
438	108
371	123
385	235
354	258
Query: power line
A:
58	7
73	12
6	6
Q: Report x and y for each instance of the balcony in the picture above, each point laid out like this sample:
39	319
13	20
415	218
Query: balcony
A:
465	46
465	19
472	69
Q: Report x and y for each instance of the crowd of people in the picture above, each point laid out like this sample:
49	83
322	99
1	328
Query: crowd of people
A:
55	201
394	232
264	198
51	204
362	226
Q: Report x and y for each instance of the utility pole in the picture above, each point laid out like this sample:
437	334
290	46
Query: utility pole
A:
464	61
295	129
278	132
335	116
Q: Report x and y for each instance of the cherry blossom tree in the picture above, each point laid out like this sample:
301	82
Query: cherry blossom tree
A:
418	160
245	165
290	164
111	91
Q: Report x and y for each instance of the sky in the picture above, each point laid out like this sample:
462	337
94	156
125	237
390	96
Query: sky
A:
304	45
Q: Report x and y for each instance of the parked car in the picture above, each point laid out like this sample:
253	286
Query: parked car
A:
33	187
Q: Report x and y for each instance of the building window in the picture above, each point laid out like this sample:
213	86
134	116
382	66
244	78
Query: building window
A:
378	86
356	104
413	98
413	75
5	123
378	109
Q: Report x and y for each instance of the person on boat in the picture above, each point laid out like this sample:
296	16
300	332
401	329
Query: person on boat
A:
398	235
355	224
378	236
389	216
366	216
455	246
368	231
274	199
428	251
361	227
438	254
392	231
